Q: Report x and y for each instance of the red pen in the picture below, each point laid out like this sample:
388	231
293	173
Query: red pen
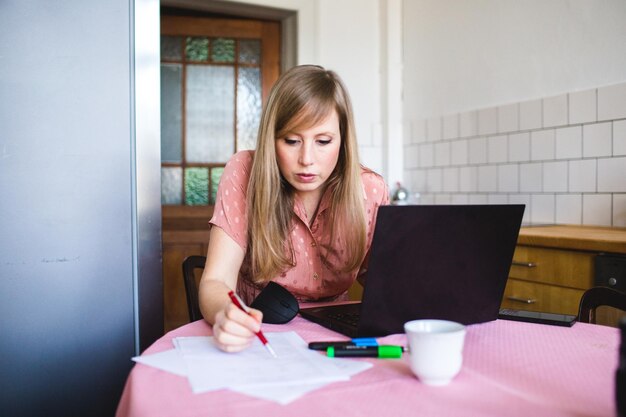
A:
239	303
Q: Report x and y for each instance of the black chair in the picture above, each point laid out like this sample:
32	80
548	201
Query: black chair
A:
190	264
596	297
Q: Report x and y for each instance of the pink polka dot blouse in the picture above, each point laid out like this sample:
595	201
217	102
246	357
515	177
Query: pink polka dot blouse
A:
316	274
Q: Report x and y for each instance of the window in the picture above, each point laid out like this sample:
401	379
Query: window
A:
212	87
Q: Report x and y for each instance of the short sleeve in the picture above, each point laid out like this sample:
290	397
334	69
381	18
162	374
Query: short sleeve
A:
230	202
376	190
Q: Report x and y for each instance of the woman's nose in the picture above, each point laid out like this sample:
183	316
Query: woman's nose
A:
306	155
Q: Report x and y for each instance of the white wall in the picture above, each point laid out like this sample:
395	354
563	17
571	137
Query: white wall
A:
518	102
462	55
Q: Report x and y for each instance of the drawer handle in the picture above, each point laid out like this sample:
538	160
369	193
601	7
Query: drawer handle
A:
521	300
524	264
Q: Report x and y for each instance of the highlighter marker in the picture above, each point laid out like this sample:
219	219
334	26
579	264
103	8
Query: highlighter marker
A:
382	352
360	341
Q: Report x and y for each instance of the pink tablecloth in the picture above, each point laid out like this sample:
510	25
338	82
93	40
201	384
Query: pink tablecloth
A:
509	369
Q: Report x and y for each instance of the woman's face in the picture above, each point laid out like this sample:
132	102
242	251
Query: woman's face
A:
307	158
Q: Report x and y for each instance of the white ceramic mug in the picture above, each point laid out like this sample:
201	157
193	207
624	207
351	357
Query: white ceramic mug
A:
435	349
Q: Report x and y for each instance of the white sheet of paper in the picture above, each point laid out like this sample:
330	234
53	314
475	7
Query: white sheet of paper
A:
168	360
284	394
209	368
283	391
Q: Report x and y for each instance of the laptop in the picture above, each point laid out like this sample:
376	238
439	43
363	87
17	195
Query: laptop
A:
446	262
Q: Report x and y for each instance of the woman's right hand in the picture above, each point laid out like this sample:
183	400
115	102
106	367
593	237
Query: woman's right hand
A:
234	330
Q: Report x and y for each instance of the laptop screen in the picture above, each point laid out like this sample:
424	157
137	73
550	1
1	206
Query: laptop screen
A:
444	262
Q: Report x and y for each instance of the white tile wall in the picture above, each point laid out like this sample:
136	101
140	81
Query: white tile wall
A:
487	178
451	180
487	121
508	118
468	179
519	147
508	178
443	199
597	139
497	149
419	182
451	126
469	124
459	199
597	209
542	208
459	152
531	115
612	102
433	129
619	138
582	175
426	155
612	174
442	154
478	199
531	177
555	111
564	157
411	156
428	199
555	176
619	210
478	151
569	142
569	208
542	145
582	107
434	178
497	199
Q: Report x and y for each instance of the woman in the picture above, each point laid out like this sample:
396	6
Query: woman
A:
300	210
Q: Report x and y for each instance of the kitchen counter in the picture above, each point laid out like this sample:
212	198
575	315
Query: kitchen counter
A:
590	238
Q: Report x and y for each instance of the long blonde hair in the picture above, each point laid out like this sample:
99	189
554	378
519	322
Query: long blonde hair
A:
301	98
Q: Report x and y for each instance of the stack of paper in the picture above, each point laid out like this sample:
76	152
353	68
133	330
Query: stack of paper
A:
296	371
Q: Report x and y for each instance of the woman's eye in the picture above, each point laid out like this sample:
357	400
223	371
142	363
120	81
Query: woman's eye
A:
323	141
290	141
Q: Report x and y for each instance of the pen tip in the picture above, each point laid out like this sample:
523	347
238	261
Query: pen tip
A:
271	351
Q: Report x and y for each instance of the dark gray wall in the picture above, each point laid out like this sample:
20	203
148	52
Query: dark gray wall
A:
72	239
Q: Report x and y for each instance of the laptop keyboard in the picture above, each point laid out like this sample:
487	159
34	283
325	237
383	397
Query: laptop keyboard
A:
351	319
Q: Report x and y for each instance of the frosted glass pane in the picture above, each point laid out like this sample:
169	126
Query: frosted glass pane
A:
171	48
223	50
210	109
216	174
196	186
171	185
171	113
197	49
250	51
248	107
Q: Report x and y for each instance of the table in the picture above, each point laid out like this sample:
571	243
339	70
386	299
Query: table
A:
510	369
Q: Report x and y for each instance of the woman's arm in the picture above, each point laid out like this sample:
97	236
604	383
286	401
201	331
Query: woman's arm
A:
233	329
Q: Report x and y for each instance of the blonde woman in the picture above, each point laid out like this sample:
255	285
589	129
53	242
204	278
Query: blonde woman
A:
299	210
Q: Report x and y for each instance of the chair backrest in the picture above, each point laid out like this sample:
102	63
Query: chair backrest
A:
596	297
190	264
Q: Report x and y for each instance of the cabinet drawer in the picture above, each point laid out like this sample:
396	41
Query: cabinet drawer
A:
571	269
533	296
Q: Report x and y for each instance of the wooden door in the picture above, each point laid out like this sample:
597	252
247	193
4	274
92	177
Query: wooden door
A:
215	76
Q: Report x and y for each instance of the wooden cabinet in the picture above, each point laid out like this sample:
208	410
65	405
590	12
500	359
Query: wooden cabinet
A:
554	265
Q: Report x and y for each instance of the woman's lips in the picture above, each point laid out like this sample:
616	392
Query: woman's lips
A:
306	177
